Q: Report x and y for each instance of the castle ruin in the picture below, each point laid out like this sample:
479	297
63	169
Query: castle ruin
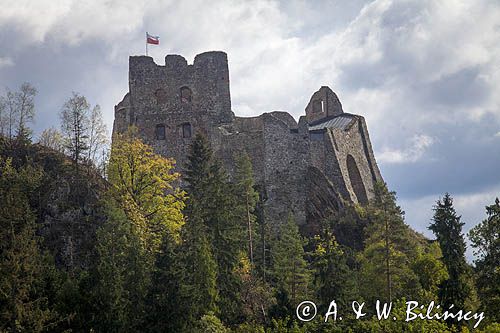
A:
309	169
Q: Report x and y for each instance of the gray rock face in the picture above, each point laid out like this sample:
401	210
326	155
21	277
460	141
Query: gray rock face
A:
308	169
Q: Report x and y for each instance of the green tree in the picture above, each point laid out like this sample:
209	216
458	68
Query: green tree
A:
209	323
145	185
212	201
256	295
122	274
447	228
485	238
165	314
430	270
198	288
24	306
290	267
333	278
247	198
389	249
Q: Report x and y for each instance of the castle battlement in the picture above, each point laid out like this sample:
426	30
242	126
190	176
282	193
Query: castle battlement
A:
309	169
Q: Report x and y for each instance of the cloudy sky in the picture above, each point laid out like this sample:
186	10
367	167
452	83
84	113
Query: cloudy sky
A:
425	74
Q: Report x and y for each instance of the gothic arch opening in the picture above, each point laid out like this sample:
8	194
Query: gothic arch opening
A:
356	180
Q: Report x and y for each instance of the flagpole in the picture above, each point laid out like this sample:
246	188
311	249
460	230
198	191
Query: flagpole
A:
146	43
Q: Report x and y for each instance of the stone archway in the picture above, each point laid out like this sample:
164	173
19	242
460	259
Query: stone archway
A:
356	180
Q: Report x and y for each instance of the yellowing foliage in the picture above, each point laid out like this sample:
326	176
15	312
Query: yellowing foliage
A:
147	186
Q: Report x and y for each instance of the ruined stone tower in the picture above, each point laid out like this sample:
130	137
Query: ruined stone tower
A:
309	169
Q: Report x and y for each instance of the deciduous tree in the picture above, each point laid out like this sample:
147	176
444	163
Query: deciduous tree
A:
147	186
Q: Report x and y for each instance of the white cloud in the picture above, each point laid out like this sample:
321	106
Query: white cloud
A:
417	146
72	21
6	62
391	47
409	67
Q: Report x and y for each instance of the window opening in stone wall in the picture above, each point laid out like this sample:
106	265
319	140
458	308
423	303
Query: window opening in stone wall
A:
186	130
356	181
160	132
317	106
161	96
317	136
186	95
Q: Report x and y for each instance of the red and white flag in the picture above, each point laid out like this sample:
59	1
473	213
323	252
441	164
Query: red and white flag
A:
152	39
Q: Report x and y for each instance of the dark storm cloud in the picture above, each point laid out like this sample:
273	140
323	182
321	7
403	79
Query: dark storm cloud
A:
464	88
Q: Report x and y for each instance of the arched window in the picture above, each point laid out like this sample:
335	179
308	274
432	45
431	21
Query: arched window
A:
186	130
186	95
160	132
161	96
356	181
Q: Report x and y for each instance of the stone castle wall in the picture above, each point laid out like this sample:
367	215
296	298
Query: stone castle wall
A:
307	169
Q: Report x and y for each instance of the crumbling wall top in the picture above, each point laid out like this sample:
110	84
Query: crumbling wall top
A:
323	103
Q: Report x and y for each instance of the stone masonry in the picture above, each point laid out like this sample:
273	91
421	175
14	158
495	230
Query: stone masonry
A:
308	169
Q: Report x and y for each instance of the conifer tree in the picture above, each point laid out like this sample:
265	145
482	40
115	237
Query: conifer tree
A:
198	287
385	261
24	306
74	126
165	314
290	267
447	228
485	238
122	274
333	278
213	197
199	284
247	199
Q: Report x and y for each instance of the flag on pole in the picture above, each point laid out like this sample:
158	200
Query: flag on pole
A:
152	39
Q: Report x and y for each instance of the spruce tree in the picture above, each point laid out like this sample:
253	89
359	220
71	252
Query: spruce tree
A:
447	228
24	306
290	267
485	238
212	201
164	314
247	199
199	269
198	287
122	274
